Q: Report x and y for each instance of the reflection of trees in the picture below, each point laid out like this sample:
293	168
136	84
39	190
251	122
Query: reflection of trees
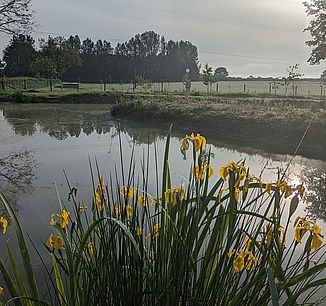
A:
17	173
63	121
315	195
58	122
139	133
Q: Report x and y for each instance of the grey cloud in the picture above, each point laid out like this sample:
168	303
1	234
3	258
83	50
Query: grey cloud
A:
269	29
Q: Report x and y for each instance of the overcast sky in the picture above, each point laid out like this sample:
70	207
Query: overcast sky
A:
249	37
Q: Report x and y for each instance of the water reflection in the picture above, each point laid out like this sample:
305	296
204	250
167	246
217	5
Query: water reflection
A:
18	171
315	196
64	122
59	121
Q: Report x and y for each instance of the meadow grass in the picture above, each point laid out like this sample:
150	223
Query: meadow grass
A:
225	87
222	238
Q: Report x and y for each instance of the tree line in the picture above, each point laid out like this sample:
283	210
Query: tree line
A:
148	55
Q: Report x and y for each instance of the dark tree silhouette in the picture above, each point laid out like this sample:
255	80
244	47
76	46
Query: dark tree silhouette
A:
19	55
317	28
145	56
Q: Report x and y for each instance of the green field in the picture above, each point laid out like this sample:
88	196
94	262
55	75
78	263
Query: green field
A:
304	88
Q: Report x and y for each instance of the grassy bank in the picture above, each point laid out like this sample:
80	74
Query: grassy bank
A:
272	124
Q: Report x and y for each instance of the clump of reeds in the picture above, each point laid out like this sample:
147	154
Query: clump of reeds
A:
223	238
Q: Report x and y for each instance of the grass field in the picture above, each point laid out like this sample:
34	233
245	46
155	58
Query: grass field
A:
303	88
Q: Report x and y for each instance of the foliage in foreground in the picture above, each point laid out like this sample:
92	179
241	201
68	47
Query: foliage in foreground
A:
211	241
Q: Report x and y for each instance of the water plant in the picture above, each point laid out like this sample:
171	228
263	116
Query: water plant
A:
225	237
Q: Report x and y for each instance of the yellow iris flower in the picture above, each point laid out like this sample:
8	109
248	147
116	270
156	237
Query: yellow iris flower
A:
101	182
177	193
224	171
91	249
128	192
232	166
58	242
200	172
198	141
49	241
138	231
284	188
143	200
55	241
239	262
129	210
156	230
63	218
117	209
302	226
4	224
100	198
242	260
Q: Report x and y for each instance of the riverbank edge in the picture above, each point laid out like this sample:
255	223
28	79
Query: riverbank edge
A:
271	135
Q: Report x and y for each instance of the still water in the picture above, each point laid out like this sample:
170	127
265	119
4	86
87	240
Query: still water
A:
50	139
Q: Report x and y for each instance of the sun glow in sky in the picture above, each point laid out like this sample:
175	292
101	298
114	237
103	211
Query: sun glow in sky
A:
249	37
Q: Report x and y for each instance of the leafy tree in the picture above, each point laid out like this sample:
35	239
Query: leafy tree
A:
44	67
59	51
317	28
221	73
208	78
19	55
16	16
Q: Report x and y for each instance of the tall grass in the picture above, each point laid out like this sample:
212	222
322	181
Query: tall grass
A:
211	241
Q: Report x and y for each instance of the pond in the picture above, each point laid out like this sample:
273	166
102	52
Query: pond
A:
50	140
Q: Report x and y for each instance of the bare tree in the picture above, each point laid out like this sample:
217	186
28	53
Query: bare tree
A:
16	16
291	78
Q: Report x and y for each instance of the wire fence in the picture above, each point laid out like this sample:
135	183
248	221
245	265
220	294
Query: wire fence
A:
299	88
26	83
251	87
